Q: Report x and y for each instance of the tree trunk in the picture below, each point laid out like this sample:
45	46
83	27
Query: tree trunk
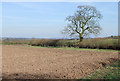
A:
81	38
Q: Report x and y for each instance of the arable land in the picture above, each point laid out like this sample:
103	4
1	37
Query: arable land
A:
20	62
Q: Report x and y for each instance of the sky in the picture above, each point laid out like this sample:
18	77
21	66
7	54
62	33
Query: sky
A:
47	19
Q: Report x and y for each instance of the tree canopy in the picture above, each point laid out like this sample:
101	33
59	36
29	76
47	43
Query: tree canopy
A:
84	22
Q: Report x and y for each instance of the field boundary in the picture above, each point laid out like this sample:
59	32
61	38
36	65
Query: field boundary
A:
72	48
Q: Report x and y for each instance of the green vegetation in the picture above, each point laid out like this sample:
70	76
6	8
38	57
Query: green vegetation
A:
0	42
108	72
15	41
72	48
97	43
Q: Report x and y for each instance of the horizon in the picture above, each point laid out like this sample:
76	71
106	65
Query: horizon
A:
54	38
47	19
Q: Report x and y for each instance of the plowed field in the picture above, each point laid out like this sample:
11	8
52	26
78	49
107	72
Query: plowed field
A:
19	62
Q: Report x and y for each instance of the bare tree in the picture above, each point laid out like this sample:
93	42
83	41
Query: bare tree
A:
84	22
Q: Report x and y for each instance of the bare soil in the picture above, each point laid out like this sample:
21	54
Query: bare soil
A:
19	62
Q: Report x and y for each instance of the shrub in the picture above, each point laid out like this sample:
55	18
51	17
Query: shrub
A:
100	43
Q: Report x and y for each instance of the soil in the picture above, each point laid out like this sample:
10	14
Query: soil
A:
20	62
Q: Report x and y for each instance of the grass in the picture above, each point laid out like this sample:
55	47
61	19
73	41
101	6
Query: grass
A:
108	72
72	48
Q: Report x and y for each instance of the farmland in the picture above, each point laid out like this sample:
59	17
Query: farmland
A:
59	40
21	62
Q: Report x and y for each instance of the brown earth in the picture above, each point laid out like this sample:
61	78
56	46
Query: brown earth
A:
19	62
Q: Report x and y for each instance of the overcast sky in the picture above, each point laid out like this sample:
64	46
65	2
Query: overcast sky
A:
47	19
